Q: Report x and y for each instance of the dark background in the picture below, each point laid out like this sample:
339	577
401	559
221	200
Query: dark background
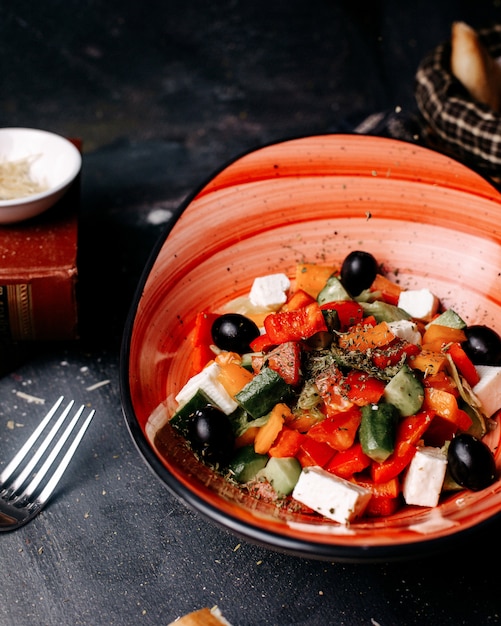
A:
163	94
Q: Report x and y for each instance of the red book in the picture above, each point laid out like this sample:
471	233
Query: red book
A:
38	274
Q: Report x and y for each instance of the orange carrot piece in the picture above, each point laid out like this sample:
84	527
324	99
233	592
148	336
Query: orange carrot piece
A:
247	437
233	377
437	336
440	402
257	318
429	362
367	337
390	291
312	278
228	357
299	299
304	421
269	432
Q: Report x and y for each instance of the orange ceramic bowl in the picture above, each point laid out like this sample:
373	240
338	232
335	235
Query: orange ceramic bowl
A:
311	199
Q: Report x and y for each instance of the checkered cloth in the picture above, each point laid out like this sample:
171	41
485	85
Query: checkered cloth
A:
461	126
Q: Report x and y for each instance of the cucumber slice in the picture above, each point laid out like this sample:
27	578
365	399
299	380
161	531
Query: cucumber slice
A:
246	464
377	430
449	318
182	417
261	394
333	291
405	391
384	312
282	473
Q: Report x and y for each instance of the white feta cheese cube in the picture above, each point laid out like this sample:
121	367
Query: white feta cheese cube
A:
269	292
488	388
407	330
330	495
423	481
207	381
419	303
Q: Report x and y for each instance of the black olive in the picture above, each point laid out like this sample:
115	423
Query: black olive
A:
358	271
471	462
211	435
234	332
482	345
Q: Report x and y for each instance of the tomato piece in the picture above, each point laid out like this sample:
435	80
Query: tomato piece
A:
313	452
339	430
348	462
295	325
331	388
409	431
287	443
464	364
285	359
349	312
394	353
362	388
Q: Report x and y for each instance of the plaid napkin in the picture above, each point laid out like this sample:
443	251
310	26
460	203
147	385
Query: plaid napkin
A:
457	124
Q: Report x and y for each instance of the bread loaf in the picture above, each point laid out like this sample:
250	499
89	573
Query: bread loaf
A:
202	617
474	67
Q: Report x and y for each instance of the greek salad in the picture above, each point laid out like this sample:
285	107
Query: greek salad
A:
342	394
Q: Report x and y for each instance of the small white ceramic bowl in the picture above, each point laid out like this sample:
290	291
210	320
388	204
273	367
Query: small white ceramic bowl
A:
56	165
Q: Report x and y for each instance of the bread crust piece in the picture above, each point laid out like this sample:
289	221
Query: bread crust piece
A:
474	67
202	617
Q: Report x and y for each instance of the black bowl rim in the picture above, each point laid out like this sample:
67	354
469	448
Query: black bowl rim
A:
424	547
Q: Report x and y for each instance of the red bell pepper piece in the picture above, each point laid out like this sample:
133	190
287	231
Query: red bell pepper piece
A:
312	452
287	443
262	343
202	340
385	497
439	431
362	388
295	325
349	312
382	506
340	430
409	431
285	359
464	364
390	489
348	462
441	380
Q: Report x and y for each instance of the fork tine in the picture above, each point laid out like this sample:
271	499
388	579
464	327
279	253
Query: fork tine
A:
19	457
40	475
56	477
20	479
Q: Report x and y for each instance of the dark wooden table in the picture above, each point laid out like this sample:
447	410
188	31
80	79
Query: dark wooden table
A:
162	94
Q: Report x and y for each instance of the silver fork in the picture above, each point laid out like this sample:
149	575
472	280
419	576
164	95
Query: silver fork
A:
29	480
